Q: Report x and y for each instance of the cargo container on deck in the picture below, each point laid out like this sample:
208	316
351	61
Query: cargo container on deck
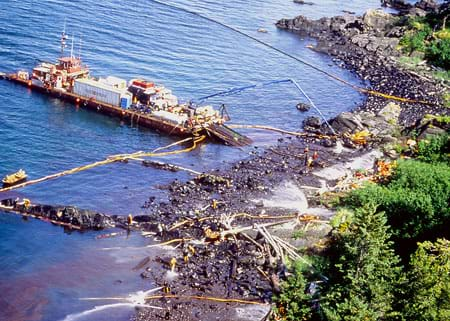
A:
101	91
139	102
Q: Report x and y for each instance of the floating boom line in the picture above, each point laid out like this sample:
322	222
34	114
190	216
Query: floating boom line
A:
290	80
302	61
112	159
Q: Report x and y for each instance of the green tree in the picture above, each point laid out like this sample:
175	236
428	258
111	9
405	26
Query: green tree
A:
363	269
293	303
429	282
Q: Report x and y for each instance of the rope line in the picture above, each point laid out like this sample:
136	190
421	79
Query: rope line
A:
292	81
306	63
282	131
206	298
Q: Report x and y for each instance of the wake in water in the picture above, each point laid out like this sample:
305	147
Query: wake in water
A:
287	195
133	300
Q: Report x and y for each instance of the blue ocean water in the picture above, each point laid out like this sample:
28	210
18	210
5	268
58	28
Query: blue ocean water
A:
44	270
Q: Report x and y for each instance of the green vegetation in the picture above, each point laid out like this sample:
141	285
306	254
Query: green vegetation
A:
293	303
363	269
388	256
447	100
435	150
429	290
430	36
415	200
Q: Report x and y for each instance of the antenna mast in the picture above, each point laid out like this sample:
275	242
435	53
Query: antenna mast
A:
79	49
71	48
64	37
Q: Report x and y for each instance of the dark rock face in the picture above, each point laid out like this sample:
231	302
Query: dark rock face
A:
427	5
304	2
69	216
400	5
346	122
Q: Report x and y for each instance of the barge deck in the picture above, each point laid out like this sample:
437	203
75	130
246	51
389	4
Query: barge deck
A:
138	102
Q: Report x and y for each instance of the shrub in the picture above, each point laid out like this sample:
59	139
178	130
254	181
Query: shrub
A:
363	269
438	53
415	201
436	149
414	42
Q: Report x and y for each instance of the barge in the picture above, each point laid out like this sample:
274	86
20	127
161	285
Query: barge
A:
138	102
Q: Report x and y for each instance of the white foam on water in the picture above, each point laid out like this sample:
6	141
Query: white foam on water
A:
77	316
133	300
287	195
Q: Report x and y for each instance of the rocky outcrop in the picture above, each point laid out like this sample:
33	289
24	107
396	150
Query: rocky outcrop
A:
67	216
368	45
405	7
400	5
379	20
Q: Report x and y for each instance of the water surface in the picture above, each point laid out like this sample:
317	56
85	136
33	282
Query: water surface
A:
44	270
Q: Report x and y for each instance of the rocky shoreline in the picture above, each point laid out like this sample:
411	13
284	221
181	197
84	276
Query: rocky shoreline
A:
216	220
367	45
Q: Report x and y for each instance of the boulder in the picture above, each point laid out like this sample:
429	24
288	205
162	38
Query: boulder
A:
390	113
303	107
431	131
396	32
347	122
427	5
378	20
303	24
417	12
361	40
312	121
400	5
303	2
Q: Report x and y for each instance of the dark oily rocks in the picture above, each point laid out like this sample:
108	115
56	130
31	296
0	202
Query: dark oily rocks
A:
304	24
400	5
430	130
312	121
417	12
427	5
303	2
303	107
347	122
65	215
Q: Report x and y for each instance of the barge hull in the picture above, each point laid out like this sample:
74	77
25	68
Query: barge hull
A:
129	116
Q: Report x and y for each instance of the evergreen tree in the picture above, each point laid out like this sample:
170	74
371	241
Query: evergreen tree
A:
429	282
363	269
293	303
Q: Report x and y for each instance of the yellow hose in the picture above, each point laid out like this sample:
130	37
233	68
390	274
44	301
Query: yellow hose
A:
108	160
206	298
